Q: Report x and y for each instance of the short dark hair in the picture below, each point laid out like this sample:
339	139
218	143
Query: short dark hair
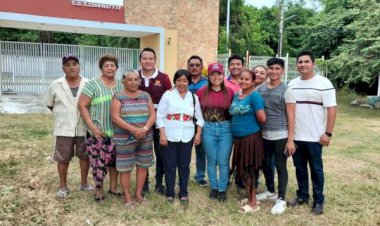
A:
195	57
147	49
236	57
181	72
306	53
276	60
108	57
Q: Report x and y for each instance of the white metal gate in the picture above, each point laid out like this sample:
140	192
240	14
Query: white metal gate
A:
31	67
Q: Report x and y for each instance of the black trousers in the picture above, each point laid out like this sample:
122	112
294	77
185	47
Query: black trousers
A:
177	155
275	149
159	162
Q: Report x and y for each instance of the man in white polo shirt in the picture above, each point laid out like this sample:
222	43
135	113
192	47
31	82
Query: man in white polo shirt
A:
69	128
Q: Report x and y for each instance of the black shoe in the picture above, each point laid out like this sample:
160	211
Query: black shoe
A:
317	209
297	202
146	188
239	184
160	189
184	201
214	194
222	196
202	183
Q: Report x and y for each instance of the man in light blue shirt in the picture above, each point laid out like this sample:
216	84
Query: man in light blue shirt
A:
195	66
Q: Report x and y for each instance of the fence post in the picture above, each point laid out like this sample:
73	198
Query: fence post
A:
247	59
286	68
1	68
323	70
378	85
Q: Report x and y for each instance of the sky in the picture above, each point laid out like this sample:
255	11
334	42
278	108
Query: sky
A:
270	3
260	3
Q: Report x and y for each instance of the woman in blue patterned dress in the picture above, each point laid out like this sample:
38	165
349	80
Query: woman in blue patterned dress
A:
133	114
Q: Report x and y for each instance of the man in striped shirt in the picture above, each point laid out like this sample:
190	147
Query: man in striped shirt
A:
315	119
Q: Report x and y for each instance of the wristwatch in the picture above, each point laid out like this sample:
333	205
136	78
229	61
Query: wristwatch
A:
328	134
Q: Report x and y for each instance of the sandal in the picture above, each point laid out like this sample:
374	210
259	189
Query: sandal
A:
129	205
248	209
245	201
116	193
98	196
142	201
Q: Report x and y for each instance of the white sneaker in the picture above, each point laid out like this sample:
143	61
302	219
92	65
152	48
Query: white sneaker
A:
279	207
266	195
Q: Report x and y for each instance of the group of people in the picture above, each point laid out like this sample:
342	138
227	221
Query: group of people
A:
249	113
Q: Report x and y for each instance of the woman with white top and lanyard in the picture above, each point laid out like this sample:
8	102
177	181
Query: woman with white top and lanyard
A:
175	114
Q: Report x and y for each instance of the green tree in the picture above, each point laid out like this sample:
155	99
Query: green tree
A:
357	60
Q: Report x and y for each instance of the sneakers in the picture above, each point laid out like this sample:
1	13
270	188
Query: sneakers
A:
86	187
266	195
202	183
62	193
214	194
317	209
279	207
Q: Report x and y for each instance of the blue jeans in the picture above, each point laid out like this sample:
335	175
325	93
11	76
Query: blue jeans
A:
309	152
200	163
217	143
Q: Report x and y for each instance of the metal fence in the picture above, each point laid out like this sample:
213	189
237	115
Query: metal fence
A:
31	67
290	65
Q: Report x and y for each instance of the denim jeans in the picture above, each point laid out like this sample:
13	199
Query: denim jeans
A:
200	163
309	152
217	143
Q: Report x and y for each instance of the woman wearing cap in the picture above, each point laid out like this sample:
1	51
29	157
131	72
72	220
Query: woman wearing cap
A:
247	110
94	105
133	113
215	101
175	114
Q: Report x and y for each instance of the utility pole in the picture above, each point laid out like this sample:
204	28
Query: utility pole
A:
228	24
281	28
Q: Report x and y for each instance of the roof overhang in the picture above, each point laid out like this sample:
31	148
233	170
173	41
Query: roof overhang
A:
26	21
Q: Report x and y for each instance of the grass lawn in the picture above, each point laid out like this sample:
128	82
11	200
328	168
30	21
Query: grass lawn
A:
29	181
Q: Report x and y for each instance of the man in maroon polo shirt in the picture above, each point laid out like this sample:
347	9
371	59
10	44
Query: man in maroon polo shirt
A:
155	83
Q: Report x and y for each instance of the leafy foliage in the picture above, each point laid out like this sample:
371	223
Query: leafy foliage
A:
345	32
357	59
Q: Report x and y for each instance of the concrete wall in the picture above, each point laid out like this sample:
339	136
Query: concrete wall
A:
196	23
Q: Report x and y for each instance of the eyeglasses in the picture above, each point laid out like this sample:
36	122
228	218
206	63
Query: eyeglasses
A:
194	65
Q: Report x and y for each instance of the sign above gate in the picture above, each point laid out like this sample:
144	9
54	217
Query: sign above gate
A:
101	4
